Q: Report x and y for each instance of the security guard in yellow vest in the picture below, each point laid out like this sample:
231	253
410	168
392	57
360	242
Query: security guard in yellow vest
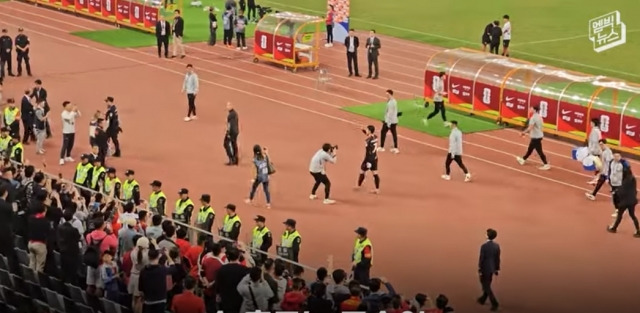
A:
12	117
290	245
112	184
98	173
184	207
261	239
362	258
157	200
206	215
131	188
17	151
83	171
5	140
231	224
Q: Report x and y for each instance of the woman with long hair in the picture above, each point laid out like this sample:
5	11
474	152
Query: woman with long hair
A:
626	198
261	174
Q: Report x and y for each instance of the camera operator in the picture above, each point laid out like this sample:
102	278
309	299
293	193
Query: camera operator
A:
317	170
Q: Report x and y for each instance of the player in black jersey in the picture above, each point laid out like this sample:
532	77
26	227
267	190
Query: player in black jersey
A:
370	162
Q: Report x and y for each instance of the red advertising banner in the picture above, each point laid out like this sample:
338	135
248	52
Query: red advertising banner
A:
109	8
68	3
460	91
630	132
609	123
150	16
81	5
514	104
123	10
573	118
136	14
263	44
486	98
428	84
548	108
95	6
283	48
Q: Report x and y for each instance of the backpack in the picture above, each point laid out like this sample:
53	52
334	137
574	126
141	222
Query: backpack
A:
91	256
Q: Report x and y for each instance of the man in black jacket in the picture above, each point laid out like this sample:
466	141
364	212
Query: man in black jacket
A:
6	46
213	26
163	31
625	198
251	13
68	243
352	43
27	116
496	34
231	135
113	126
102	142
489	265
178	33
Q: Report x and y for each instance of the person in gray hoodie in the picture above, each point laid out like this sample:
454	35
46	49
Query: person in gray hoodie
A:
255	292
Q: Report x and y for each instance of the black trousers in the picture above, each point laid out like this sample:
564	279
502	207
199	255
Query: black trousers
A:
458	160
485	282
154	308
68	140
228	37
321	179
252	13
191	100
438	108
5	60
536	144
240	40
352	62
601	180
632	214
329	33
24	57
210	304
113	136
28	134
231	147
494	47
373	64
163	42
69	266
361	274
383	134
212	36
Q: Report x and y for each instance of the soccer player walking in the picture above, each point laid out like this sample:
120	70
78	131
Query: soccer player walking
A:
390	123
506	35
438	99
534	129
606	157
370	162
455	153
593	144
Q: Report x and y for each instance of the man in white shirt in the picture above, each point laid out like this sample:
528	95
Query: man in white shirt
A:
506	36
69	115
317	170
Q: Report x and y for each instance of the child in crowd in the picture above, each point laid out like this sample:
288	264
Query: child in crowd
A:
109	276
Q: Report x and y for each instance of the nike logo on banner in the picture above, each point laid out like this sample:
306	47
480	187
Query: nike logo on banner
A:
455	86
630	126
565	112
510	98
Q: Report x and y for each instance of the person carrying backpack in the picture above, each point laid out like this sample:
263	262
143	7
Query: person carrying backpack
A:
98	241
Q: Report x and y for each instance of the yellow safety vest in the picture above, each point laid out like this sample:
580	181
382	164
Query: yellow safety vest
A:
110	183
359	247
4	143
154	197
10	115
229	222
288	238
204	213
82	171
96	174
15	148
181	206
127	189
258	235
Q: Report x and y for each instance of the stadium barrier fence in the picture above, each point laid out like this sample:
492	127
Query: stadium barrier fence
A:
503	89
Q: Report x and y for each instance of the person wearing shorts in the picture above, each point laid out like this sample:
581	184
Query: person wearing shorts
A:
370	162
506	35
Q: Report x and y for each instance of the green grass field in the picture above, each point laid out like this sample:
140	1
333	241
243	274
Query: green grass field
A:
545	31
196	29
412	116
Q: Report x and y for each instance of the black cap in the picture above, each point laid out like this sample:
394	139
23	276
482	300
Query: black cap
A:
290	222
111	170
5	129
16	136
84	156
361	231
260	218
156	183
205	198
109	99
231	207
129	172
183	191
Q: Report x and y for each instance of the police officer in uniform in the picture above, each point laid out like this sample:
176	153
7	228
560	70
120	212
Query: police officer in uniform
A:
206	215
231	224
17	151
113	127
261	240
131	188
112	184
184	207
5	140
290	245
157	199
82	176
22	50
98	173
362	258
12	117
6	45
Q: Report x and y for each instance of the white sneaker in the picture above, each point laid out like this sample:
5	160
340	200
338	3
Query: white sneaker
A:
545	167
61	161
187	119
268	206
590	196
238	48
328	201
375	191
447	124
615	213
244	48
194	117
425	122
327	45
446	177
313	197
467	178
247	201
68	159
395	150
380	149
520	160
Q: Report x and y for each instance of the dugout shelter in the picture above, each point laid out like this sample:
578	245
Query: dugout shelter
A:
288	39
503	89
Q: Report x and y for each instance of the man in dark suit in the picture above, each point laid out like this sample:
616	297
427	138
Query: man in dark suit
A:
352	43
373	45
27	115
163	31
489	265
41	95
178	33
